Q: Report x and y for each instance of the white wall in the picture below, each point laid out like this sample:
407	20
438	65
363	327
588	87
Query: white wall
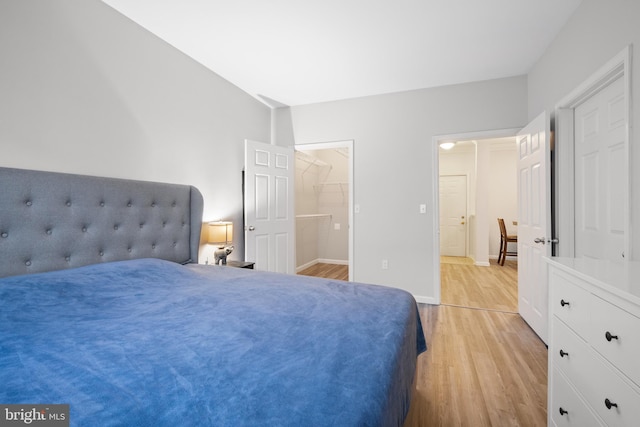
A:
393	165
503	194
85	90
595	33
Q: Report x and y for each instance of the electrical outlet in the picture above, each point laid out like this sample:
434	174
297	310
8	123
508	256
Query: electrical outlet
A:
336	226
356	208
385	264
423	208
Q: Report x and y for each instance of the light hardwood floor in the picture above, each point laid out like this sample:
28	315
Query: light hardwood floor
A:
482	368
492	288
329	271
484	365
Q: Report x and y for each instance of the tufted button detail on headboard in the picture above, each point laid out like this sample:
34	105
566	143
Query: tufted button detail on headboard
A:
51	221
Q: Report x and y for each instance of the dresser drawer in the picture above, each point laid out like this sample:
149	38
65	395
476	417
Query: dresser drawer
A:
615	334
608	386
568	409
571	355
570	302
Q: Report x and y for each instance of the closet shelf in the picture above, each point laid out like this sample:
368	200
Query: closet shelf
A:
311	161
313	216
322	184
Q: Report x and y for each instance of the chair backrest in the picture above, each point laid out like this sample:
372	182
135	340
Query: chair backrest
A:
503	229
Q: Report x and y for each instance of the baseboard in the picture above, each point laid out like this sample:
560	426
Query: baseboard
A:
306	265
321	261
482	264
426	300
333	261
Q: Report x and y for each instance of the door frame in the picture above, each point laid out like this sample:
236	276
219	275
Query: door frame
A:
435	179
564	217
331	145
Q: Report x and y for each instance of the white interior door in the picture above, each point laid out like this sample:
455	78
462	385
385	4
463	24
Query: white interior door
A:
453	215
601	174
269	207
534	223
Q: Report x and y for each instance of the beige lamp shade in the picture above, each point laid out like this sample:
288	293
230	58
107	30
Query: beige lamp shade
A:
220	232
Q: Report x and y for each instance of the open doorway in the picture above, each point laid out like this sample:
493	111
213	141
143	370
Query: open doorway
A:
477	183
323	199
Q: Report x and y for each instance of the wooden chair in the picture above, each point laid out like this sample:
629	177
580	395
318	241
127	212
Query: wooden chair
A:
504	241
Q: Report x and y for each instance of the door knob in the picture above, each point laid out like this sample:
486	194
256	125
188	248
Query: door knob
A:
462	222
251	228
544	240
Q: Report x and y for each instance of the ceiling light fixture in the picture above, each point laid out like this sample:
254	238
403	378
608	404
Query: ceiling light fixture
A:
447	145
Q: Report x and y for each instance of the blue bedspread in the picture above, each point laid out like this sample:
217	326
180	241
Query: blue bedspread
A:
149	342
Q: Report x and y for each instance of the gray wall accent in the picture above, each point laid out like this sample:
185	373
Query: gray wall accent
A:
597	32
52	221
393	164
85	90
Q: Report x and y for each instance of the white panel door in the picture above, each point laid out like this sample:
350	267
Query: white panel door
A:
600	174
534	223
269	207
453	215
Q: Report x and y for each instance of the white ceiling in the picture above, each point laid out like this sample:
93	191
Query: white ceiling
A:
306	51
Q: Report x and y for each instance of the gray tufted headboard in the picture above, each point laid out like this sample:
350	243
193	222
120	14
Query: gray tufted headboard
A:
52	221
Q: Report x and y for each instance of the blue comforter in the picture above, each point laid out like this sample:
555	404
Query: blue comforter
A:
149	342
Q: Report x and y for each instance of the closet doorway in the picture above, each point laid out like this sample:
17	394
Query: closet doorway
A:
324	209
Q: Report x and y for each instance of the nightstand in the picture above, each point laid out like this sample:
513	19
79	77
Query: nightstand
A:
241	264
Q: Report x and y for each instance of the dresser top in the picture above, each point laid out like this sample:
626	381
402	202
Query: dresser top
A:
620	278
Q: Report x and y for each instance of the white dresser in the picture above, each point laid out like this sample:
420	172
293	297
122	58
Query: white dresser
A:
594	343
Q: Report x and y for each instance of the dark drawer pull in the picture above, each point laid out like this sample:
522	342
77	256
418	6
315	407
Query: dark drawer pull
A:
563	353
563	302
562	411
610	337
609	404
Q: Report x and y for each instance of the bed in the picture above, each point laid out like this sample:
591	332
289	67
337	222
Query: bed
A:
104	307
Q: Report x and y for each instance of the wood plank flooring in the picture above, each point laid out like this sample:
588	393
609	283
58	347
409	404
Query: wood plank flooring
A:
329	271
482	368
492	288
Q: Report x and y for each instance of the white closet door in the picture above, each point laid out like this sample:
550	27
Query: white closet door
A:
269	207
601	174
